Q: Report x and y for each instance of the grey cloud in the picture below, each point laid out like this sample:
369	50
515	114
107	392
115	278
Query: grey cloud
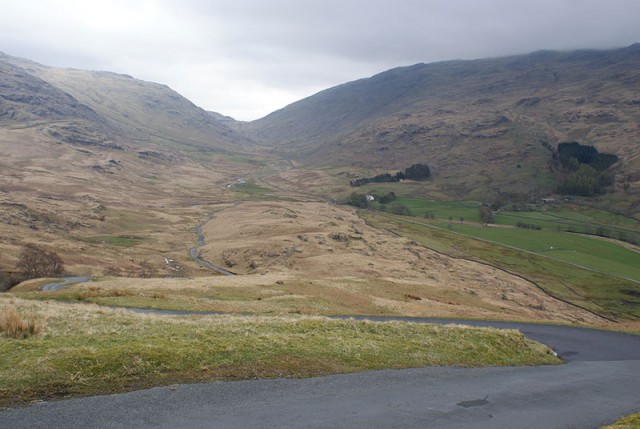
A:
263	54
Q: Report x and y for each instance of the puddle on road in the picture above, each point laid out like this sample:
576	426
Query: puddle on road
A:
474	403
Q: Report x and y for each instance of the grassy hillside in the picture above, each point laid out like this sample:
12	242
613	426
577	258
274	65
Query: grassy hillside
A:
595	274
25	97
120	176
484	127
125	109
92	157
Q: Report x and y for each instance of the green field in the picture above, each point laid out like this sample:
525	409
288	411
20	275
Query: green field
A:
594	272
443	210
590	252
114	240
250	187
575	219
598	275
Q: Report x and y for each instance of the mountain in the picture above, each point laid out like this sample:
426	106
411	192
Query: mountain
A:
483	126
24	97
119	105
95	154
109	169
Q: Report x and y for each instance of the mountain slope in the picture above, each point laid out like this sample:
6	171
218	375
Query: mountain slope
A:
25	97
94	154
130	108
483	126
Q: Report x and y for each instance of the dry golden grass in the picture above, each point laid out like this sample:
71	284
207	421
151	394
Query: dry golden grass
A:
51	195
282	293
13	325
291	262
365	269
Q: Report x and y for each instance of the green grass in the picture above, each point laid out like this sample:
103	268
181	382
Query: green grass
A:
573	218
593	253
604	294
440	209
596	254
251	188
87	350
246	159
629	422
589	222
113	240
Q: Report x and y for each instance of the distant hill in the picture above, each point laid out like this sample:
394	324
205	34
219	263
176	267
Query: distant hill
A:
483	126
25	97
126	109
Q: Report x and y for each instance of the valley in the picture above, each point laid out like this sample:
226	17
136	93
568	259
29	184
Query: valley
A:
128	182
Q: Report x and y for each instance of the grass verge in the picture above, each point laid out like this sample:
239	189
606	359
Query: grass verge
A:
629	422
87	350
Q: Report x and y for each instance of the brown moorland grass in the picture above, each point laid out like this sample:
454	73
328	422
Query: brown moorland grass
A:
87	349
323	242
106	219
13	325
284	294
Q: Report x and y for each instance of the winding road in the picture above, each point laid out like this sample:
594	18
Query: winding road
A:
599	383
194	252
66	281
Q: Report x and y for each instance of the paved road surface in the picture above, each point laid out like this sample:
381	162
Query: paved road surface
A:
65	282
194	251
599	383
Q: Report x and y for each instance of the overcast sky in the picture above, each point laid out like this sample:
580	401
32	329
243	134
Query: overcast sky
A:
247	58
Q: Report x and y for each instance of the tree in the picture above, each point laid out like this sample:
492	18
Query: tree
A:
402	210
358	200
486	214
8	280
36	262
586	182
386	199
417	172
572	154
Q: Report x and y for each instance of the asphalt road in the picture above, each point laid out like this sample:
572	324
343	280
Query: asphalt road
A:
194	251
65	282
599	383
